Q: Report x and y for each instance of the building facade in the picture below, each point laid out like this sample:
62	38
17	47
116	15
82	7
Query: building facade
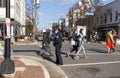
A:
108	18
17	17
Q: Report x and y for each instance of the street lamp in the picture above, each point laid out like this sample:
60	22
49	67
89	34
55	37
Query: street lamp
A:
7	66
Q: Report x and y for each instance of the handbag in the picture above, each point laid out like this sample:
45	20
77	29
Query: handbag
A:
73	42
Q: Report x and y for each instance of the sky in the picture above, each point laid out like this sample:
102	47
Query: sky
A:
52	10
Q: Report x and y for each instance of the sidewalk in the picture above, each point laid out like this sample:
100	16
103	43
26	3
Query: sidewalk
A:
26	68
33	67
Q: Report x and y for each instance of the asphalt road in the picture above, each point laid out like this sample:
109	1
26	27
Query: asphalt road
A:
98	65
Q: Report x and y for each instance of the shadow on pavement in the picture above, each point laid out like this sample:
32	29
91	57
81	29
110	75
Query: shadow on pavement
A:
63	53
48	58
38	52
97	50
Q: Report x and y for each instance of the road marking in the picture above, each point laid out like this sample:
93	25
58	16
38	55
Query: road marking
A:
101	54
85	64
94	54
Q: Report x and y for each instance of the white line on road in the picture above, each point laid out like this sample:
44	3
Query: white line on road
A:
85	64
102	54
95	54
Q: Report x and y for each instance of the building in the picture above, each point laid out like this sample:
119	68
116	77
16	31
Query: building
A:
62	25
67	23
81	14
17	17
108	18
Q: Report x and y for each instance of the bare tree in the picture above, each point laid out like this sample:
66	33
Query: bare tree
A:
29	9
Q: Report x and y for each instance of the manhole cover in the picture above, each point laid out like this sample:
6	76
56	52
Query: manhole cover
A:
89	69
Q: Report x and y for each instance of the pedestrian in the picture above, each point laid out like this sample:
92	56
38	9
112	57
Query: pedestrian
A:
74	42
81	45
69	38
57	42
114	38
46	42
109	41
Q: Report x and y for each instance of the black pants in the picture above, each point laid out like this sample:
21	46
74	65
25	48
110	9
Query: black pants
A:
75	48
58	55
113	49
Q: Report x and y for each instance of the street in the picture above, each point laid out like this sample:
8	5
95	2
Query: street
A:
98	65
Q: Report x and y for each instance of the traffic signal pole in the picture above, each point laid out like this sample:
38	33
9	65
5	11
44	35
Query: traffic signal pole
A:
7	65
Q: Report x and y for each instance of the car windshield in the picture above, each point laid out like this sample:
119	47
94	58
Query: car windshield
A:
40	35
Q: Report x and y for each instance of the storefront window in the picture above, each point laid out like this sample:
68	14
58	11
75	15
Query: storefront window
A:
2	3
105	20
110	17
116	17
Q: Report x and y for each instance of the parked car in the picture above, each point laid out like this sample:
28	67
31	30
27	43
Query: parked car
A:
40	37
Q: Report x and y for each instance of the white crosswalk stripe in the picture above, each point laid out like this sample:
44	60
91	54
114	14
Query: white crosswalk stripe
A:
97	63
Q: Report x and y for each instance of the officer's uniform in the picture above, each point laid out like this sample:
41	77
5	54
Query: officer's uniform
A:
58	44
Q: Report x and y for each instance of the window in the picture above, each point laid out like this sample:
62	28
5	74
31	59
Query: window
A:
110	17
105	20
116	17
2	3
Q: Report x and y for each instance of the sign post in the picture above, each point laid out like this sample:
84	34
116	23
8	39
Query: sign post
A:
7	66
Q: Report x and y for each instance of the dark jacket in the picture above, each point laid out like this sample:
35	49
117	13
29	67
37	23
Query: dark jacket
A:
57	39
75	38
46	38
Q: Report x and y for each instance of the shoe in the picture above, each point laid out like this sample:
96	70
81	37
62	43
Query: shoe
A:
41	54
68	54
52	55
58	63
75	57
108	53
86	57
113	50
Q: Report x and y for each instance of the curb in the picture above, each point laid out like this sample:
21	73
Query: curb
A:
50	70
46	73
54	70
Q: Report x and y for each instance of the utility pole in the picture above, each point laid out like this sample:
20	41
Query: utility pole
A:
7	66
34	18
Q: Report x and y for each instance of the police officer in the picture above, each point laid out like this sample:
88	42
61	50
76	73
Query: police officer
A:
58	44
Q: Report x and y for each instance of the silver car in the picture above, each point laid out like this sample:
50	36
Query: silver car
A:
40	37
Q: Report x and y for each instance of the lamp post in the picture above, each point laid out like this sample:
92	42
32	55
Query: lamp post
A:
7	66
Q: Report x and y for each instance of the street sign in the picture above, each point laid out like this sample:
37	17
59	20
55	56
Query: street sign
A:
8	27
